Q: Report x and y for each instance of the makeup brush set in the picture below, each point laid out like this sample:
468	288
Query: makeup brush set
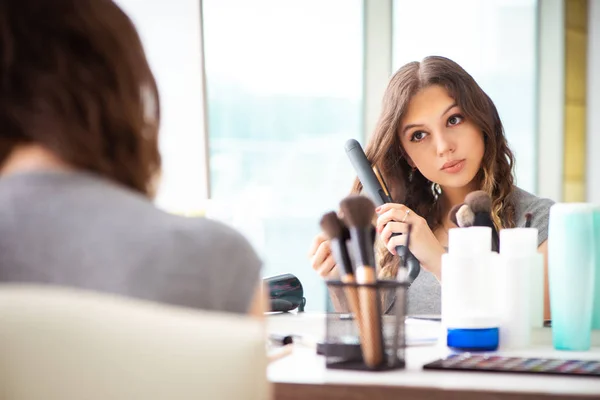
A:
476	211
368	340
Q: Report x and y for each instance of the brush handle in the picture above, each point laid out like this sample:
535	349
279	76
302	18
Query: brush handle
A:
341	256
351	293
495	241
361	245
370	317
484	219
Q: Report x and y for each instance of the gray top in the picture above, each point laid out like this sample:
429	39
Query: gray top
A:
424	295
77	229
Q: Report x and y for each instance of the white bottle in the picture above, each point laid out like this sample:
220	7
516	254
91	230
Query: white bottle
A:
520	287
468	285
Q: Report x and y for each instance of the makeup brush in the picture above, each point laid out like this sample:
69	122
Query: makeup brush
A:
338	234
452	213
528	218
358	214
465	216
481	204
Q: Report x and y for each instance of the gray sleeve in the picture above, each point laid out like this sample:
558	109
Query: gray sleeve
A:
210	266
241	274
540	211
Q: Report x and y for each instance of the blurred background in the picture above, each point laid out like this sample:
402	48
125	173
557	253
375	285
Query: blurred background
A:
259	96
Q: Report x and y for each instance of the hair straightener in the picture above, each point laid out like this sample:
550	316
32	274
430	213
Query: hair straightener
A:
376	189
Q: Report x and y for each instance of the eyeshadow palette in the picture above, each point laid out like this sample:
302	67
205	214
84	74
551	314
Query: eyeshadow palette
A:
493	363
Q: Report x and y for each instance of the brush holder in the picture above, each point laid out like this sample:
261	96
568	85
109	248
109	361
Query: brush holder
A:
353	341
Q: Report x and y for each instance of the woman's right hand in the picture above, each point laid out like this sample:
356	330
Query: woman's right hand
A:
321	258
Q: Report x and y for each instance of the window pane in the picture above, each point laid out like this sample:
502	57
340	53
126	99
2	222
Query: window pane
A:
495	41
170	33
284	81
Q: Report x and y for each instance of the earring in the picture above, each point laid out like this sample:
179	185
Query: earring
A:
411	174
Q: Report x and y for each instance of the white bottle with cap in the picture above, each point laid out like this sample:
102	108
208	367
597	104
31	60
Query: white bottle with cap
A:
520	287
468	281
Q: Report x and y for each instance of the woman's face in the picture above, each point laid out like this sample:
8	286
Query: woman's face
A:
444	146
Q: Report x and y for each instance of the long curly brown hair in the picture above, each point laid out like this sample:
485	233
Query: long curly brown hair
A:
384	149
74	79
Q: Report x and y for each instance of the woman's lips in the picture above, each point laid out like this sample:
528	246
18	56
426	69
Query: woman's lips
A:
453	167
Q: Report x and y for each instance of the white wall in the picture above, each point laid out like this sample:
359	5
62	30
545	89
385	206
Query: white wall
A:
593	103
171	34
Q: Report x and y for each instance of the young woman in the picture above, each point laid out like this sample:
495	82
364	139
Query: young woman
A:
79	160
439	137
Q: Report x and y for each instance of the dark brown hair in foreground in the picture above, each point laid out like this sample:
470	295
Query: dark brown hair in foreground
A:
74	78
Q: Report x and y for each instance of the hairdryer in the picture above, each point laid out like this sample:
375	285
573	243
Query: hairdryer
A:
375	188
285	293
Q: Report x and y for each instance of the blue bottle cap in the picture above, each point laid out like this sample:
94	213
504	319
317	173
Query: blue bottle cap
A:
485	339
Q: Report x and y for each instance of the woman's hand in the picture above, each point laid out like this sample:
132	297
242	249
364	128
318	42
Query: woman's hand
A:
395	218
321	258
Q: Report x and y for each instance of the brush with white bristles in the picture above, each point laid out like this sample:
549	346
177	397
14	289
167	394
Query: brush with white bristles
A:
465	216
452	214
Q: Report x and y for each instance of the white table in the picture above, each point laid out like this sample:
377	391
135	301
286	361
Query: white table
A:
303	375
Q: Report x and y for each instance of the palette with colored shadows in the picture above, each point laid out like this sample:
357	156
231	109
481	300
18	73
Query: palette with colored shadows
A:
494	363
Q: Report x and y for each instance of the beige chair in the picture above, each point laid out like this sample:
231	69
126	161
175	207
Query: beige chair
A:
69	344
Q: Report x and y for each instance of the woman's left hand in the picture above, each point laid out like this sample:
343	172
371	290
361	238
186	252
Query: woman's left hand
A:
395	218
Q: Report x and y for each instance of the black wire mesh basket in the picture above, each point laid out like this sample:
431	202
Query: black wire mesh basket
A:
365	327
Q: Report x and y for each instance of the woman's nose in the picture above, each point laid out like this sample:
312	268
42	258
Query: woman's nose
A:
444	143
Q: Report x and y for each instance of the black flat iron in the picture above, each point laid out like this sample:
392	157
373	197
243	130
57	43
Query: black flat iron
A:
375	188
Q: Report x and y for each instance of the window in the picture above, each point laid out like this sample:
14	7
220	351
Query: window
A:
495	41
284	92
170	33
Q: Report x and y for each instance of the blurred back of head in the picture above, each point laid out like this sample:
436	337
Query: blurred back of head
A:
74	79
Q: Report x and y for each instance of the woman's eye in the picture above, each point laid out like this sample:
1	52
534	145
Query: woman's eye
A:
455	120
418	136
